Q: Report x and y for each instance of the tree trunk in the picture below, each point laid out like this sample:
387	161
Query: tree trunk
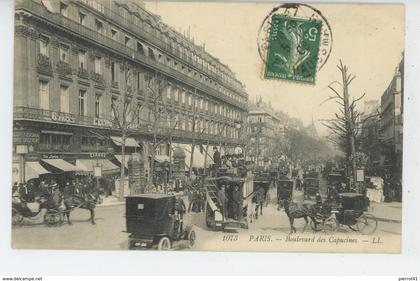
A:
205	157
192	156
122	170
349	123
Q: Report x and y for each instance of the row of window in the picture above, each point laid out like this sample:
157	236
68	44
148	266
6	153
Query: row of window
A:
141	47
184	97
99	66
201	125
44	99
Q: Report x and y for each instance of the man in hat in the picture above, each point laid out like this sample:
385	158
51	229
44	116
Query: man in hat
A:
216	157
237	203
221	194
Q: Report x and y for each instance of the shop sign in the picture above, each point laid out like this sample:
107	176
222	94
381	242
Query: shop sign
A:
97	171
32	156
360	175
50	156
57	116
97	155
22	137
21	149
102	122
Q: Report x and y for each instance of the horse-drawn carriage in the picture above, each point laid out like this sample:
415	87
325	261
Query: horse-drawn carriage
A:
237	194
351	212
20	210
261	188
285	189
347	209
310	187
152	220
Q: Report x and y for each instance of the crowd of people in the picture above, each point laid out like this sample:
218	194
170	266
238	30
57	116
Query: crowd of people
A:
84	186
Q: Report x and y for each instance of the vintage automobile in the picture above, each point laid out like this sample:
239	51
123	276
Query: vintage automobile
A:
153	222
310	187
351	212
285	189
219	218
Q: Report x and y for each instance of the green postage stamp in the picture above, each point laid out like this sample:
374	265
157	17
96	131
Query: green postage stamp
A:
293	49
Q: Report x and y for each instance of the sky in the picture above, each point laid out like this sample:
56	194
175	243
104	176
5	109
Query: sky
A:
368	38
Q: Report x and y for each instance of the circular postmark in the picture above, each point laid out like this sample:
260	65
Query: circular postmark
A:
296	11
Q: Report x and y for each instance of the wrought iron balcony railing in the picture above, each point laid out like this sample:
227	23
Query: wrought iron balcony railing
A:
83	73
36	114
44	64
97	38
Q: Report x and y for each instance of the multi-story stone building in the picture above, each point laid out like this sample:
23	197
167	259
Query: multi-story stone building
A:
263	125
391	123
77	63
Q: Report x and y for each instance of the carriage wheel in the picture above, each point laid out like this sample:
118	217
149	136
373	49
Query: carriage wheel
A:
367	224
17	217
53	217
191	239
331	224
164	244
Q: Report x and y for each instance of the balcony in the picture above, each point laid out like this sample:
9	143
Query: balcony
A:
44	65
35	114
114	84
83	73
97	78
64	69
96	38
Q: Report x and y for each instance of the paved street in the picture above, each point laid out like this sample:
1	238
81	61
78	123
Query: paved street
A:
109	233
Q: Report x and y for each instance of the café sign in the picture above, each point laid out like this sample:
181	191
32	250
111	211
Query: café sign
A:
102	122
60	117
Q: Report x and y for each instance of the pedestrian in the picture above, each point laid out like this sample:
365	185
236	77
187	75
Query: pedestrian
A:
202	199
216	158
180	211
221	195
237	203
260	199
191	198
267	198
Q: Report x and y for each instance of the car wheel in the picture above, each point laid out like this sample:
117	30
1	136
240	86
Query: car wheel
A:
191	239
164	244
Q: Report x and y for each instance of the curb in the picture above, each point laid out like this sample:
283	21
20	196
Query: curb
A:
388	220
111	204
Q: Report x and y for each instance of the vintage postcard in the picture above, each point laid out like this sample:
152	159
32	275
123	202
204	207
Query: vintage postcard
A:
207	126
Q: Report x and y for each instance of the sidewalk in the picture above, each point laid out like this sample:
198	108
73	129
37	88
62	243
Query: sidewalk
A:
111	201
387	212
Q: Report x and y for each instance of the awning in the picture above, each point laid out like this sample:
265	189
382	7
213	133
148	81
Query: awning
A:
162	158
33	170
129	142
126	158
62	165
87	164
198	158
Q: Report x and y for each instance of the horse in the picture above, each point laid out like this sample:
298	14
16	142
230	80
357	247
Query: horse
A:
87	202
297	211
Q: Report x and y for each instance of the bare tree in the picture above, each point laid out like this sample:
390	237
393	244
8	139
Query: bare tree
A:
344	128
126	110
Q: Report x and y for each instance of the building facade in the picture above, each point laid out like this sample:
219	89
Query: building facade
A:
263	125
391	123
81	67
